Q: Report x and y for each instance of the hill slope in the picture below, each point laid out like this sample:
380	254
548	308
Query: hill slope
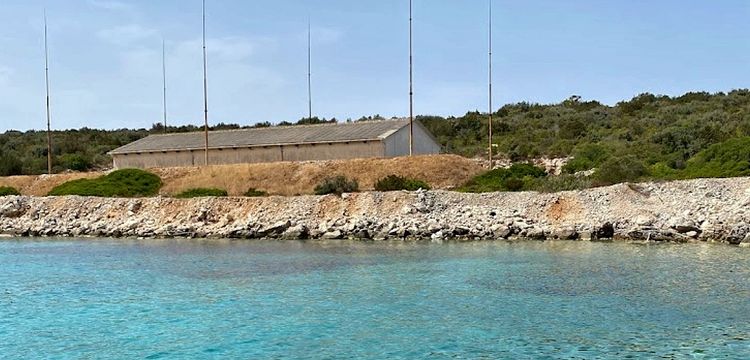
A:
654	130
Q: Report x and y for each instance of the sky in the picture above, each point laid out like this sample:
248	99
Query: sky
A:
106	56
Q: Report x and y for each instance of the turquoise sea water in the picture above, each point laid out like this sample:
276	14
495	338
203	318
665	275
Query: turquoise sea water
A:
108	299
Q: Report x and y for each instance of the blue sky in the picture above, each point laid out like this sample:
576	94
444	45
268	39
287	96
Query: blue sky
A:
106	56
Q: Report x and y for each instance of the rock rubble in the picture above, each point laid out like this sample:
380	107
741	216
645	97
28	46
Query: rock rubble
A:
713	210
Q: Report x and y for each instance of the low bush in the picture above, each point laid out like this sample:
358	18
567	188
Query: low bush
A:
586	157
201	192
7	191
619	169
513	184
120	183
515	178
336	185
726	159
10	166
76	162
253	192
662	171
396	183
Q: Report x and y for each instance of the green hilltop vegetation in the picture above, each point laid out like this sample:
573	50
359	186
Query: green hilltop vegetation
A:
697	134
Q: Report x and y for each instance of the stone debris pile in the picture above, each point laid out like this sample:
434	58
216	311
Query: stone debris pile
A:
696	210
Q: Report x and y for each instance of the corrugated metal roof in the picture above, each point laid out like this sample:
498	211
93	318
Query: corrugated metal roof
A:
280	135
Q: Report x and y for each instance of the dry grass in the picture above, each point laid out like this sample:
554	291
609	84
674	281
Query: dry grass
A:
40	185
289	178
283	178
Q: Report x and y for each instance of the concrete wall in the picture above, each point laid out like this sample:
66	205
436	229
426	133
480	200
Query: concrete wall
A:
352	150
333	151
167	159
398	143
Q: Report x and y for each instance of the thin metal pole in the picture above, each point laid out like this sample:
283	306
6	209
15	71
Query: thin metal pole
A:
490	87
164	78
46	79
411	83
309	69
205	86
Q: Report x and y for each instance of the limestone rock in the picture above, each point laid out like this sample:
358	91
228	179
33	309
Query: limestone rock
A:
738	234
297	232
746	241
13	209
333	235
565	234
535	233
703	209
644	220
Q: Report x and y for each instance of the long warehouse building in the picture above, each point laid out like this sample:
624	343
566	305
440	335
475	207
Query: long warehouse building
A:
365	139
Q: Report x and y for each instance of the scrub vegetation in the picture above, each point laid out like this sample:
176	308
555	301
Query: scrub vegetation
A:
649	137
516	178
8	191
730	158
336	185
201	192
253	192
120	183
396	183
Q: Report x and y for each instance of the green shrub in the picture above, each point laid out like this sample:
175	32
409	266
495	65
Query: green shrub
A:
76	162
726	159
517	177
201	192
513	184
662	171
10	165
619	169
253	192
7	191
120	183
336	185
396	183
586	157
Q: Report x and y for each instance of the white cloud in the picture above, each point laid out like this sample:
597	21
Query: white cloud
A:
126	34
110	5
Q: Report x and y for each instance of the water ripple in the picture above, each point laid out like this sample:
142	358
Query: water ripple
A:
307	300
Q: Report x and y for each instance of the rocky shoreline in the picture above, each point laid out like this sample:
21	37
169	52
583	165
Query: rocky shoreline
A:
713	210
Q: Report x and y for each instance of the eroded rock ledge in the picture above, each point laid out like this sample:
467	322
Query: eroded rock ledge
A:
695	210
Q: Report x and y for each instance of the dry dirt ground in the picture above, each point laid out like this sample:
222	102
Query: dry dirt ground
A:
40	185
283	178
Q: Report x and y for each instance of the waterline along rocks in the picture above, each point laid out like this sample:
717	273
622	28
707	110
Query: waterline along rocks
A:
694	210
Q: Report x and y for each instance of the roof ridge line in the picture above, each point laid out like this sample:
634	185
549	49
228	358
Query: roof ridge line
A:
273	127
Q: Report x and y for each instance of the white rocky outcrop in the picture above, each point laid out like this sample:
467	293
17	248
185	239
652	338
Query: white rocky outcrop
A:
694	210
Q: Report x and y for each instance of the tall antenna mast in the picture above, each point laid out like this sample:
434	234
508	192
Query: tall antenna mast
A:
164	78
489	127
411	84
309	69
205	86
46	80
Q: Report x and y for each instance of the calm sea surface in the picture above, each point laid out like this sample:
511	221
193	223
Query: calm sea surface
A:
106	299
